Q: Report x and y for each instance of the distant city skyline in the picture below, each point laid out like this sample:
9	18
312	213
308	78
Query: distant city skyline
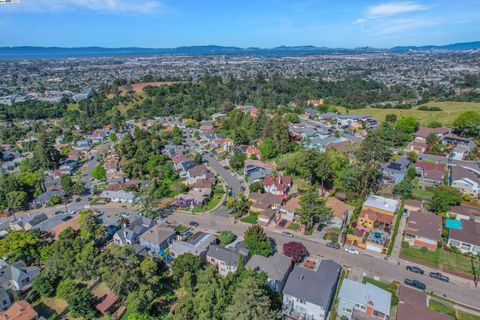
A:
262	23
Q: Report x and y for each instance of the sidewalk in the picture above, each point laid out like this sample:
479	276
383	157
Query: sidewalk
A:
397	246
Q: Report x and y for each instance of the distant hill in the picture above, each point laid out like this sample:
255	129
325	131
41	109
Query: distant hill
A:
462	46
26	52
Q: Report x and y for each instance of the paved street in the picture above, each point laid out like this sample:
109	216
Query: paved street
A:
458	289
215	165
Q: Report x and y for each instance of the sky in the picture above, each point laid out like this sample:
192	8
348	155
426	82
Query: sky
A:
243	23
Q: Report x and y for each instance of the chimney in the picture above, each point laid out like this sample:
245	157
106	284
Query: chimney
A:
369	311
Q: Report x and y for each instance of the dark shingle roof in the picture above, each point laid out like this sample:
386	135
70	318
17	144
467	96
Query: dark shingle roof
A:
316	287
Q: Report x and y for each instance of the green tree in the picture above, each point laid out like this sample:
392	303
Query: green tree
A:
238	160
186	263
226	237
391	117
257	241
444	197
91	226
313	208
407	124
45	155
403	189
268	149
17	200
45	284
432	138
21	245
99	173
209	299
468	123
250	302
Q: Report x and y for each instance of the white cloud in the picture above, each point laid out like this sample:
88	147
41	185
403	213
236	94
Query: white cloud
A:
404	25
101	6
360	21
393	8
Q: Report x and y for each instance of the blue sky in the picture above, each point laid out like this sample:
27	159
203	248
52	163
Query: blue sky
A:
244	23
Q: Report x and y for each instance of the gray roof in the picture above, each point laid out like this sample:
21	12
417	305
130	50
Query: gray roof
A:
54	221
276	266
360	293
197	245
316	287
44	197
230	257
18	272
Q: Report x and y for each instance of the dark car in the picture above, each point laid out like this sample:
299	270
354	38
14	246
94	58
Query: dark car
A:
333	245
282	223
66	218
78	199
415	283
415	269
439	276
193	224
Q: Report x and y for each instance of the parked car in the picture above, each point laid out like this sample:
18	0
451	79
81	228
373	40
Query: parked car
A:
287	234
333	245
415	283
193	224
283	223
352	250
439	276
415	269
78	199
66	218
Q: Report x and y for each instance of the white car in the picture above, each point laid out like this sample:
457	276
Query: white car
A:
352	250
287	234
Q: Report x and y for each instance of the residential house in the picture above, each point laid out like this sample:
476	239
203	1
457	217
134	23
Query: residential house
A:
431	174
423	132
309	293
461	151
358	300
253	152
374	223
465	213
197	245
417	146
467	238
412	205
264	201
182	164
453	139
129	235
322	143
423	230
464	180
278	185
256	170
28	223
226	144
20	310
315	102
196	173
157	238
310	113
266	216
341	211
194	197
277	267
289	209
83	145
17	276
68	167
395	171
412	305
5	300
118	196
43	198
105	301
226	260
249	109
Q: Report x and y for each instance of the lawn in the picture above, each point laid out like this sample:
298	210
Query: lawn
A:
212	203
181	229
450	110
445	260
466	316
293	226
251	218
440	307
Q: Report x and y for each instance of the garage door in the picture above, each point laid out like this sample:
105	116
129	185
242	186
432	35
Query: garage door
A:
374	248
